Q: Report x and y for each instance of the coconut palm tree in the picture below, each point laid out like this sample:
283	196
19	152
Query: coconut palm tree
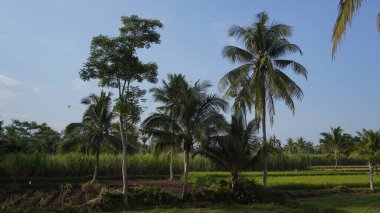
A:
234	150
291	146
95	126
260	80
301	145
369	144
335	141
347	10
188	112
274	143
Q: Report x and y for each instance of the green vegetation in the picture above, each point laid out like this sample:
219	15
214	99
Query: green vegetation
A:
77	164
114	61
358	203
295	180
221	161
347	10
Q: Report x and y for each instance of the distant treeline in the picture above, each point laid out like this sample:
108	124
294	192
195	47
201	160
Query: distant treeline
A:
77	164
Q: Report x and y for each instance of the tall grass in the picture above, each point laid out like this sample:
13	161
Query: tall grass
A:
77	164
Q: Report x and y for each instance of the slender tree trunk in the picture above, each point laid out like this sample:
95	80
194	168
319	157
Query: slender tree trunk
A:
96	164
123	140
336	159
234	181
171	163
185	173
370	176
124	164
265	146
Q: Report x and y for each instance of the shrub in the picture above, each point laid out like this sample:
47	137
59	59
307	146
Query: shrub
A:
109	199
150	195
91	190
248	191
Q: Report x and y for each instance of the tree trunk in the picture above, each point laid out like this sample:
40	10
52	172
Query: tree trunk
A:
370	176
96	164
185	173
265	146
123	140
171	163
124	164
234	181
336	159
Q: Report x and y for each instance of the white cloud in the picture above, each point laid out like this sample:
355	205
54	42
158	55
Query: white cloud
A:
78	84
36	89
8	81
7	93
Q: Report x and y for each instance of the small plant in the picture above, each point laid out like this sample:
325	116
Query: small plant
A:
91	190
108	199
150	195
41	196
64	190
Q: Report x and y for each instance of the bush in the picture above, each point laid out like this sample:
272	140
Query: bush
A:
248	191
91	190
109	199
150	195
211	189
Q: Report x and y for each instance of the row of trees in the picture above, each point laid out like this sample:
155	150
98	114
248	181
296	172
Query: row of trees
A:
28	137
190	118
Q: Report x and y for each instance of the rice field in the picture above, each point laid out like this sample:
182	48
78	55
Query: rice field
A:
297	180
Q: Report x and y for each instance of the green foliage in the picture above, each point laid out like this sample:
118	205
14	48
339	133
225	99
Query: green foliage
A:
77	164
211	189
149	195
108	199
28	137
297	180
248	191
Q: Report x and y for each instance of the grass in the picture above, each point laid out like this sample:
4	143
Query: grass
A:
340	203
346	202
292	180
221	208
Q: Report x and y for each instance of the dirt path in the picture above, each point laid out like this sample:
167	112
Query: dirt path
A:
174	186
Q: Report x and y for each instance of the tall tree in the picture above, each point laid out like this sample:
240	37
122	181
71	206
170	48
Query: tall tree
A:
335	142
369	144
114	61
347	10
188	112
260	79
95	126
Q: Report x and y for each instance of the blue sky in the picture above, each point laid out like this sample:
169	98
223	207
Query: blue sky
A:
43	45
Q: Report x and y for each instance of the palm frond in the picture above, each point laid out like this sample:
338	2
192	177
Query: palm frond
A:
347	9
